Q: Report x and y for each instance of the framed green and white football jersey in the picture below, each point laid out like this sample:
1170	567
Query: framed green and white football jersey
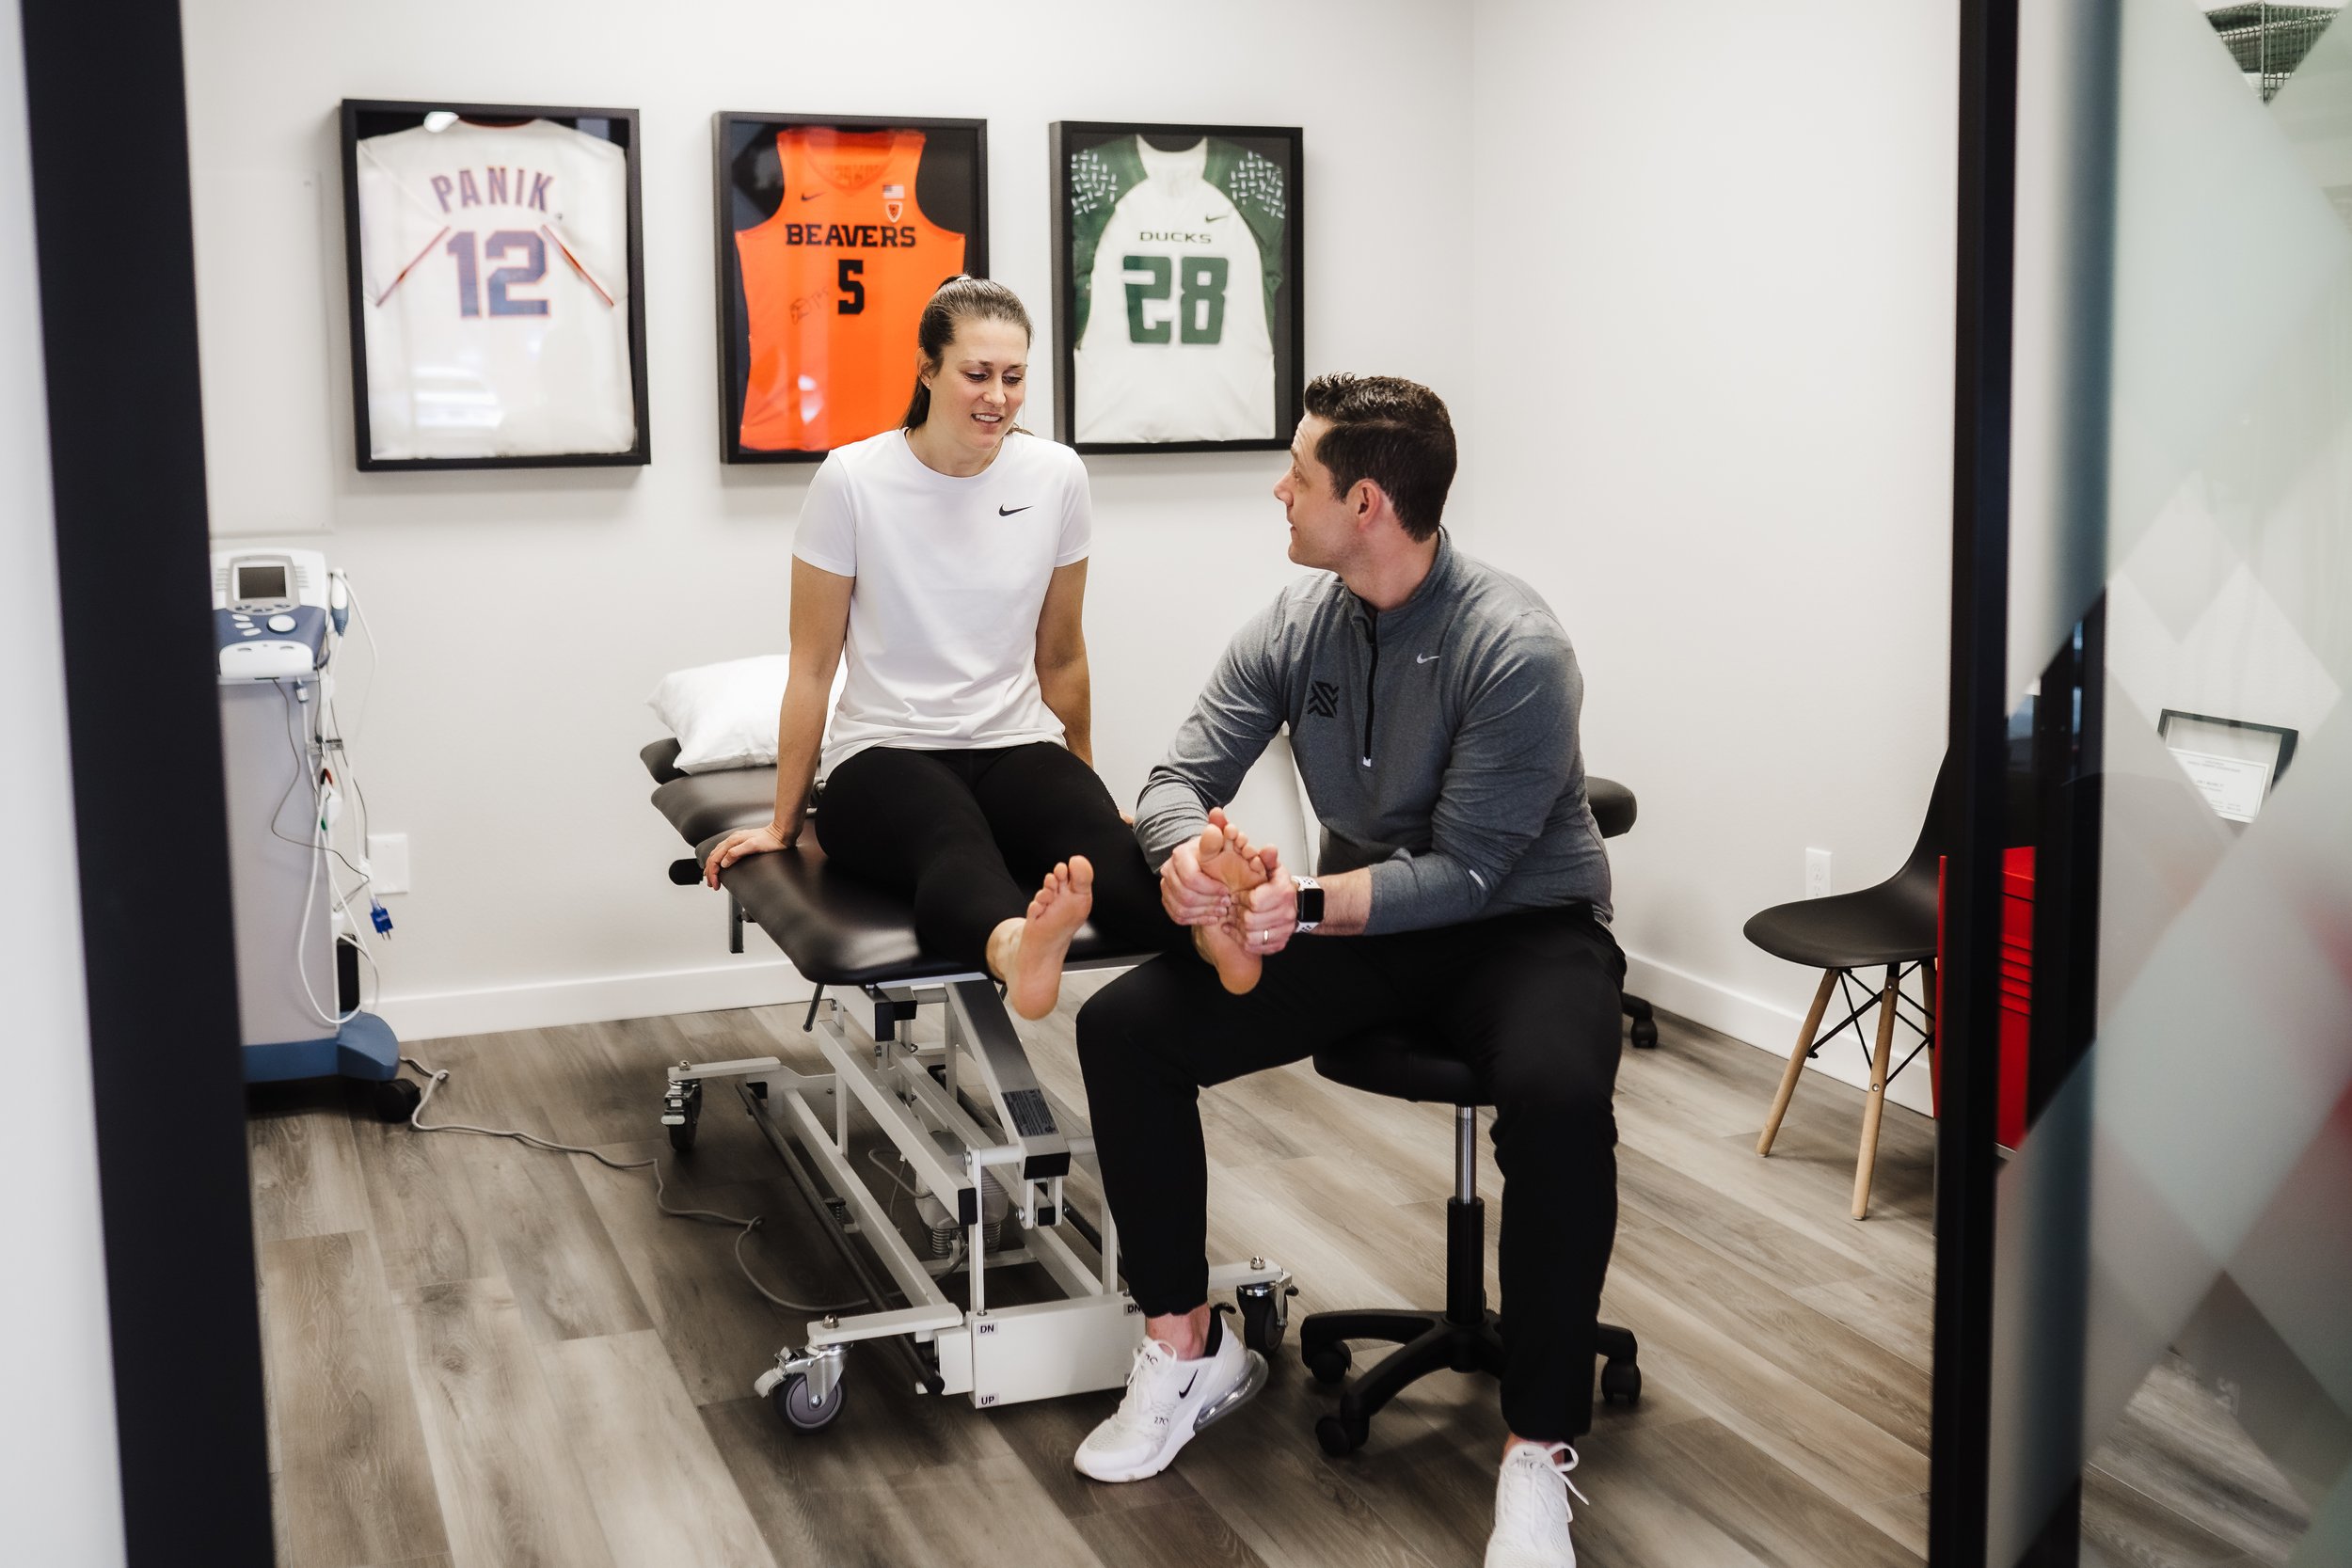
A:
1176	302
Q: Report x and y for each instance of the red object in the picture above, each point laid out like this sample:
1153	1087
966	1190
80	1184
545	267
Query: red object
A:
2016	990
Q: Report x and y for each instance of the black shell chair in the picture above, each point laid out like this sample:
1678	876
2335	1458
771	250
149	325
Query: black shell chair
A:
1890	927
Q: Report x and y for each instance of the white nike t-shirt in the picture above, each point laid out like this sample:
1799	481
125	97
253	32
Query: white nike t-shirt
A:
951	574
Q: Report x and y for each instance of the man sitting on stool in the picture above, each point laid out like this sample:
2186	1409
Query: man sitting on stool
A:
1432	703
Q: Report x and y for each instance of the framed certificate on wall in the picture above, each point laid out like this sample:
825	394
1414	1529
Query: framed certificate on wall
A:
496	275
833	233
1177	320
2235	763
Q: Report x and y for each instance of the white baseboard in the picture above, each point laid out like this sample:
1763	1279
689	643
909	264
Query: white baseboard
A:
599	999
602	999
1769	1026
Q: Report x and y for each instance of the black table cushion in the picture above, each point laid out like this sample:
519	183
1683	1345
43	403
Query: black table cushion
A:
839	931
660	760
836	928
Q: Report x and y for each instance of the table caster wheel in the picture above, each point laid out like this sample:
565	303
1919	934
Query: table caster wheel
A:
683	1110
1265	1315
800	1412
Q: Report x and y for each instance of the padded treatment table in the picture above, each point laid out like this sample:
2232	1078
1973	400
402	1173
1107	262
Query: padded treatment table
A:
987	1148
837	930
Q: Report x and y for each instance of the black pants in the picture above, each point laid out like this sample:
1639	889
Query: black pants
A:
972	833
1530	1000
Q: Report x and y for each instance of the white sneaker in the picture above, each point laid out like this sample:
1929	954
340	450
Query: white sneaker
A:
1167	1400
1532	1509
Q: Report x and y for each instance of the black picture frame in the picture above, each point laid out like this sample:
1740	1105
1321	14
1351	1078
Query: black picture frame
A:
2168	718
365	118
948	195
1283	147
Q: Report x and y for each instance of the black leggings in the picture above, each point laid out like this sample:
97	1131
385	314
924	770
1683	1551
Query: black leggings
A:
1530	1000
972	833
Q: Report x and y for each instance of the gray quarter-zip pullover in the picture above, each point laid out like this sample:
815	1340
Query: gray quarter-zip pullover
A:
1438	742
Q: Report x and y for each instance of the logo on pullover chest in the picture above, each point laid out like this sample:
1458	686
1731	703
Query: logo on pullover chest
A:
1324	701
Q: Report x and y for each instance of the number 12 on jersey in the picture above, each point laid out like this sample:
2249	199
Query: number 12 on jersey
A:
1195	314
503	244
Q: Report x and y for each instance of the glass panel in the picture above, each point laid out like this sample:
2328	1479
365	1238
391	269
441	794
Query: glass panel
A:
2175	1264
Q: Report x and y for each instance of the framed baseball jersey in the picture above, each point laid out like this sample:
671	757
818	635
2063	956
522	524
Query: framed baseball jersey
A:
496	283
1177	253
833	233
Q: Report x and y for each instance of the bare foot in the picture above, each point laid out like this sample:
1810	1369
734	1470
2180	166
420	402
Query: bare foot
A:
1033	981
1225	854
1237	967
1229	858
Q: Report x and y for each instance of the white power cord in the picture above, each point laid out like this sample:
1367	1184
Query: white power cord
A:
326	1015
436	1077
376	659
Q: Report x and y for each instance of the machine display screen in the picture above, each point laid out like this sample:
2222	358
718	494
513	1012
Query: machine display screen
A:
261	582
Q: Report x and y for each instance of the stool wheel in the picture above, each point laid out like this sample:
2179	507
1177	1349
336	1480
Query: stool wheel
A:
1341	1435
1620	1383
1330	1364
1646	1033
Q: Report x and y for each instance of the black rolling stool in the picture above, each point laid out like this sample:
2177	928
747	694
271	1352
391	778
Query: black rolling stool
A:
1464	1336
1614	810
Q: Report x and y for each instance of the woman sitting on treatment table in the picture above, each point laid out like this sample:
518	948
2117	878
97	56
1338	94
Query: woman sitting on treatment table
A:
950	557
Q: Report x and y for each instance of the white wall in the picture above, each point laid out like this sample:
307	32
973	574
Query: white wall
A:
60	1494
502	731
1713	398
1685	278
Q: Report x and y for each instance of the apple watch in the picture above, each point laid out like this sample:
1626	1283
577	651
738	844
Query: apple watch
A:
1309	904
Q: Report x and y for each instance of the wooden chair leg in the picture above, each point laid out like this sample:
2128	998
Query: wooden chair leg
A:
1796	1061
1875	1106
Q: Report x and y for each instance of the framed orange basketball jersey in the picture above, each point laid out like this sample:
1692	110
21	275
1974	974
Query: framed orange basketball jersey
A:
834	284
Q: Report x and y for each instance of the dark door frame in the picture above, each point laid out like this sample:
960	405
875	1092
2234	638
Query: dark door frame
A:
1959	1452
107	114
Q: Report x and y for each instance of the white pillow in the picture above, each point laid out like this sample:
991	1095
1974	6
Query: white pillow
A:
723	715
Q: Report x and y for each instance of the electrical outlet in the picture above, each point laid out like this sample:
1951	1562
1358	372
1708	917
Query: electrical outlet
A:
1816	873
387	863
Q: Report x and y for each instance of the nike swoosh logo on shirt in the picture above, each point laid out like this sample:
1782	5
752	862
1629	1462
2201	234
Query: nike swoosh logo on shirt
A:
1008	511
1216	217
810	195
1428	658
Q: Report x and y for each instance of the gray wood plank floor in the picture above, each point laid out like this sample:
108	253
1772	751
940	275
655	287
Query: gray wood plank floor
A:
483	1355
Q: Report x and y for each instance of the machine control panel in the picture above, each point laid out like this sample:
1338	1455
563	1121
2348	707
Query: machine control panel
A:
270	613
269	648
